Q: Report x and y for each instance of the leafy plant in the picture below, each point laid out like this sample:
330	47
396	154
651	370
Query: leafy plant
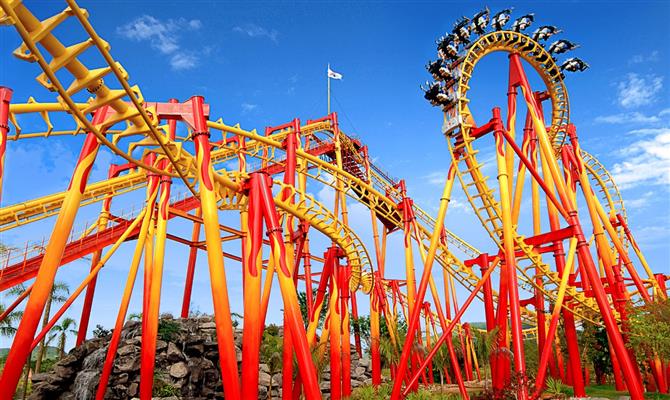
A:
554	388
272	347
649	329
162	388
302	301
168	329
61	331
100	331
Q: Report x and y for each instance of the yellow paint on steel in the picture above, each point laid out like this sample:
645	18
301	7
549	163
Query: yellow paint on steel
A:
472	179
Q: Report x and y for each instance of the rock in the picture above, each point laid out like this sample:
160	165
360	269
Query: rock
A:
44	390
194	347
69	360
127	350
262	392
359	372
161	345
173	353
325	387
264	379
127	364
264	368
276	379
364	362
208	325
133	389
178	370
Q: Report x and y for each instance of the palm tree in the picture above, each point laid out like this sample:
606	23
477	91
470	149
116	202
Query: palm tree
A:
61	331
8	325
441	361
58	294
485	344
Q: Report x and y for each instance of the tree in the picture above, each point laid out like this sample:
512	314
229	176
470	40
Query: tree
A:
271	351
485	344
61	331
441	360
649	329
59	293
596	351
100	331
9	324
135	317
302	301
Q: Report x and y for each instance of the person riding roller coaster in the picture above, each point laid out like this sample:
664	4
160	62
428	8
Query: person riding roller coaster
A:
439	70
435	94
500	19
479	22
522	23
562	46
574	64
462	31
447	47
545	32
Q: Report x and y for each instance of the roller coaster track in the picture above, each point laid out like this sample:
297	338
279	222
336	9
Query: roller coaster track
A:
471	177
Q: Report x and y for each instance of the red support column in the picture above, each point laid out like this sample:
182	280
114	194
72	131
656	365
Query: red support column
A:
20	350
190	266
224	325
260	185
114	170
345	272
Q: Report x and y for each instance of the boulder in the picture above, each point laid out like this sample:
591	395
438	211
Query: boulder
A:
178	370
264	379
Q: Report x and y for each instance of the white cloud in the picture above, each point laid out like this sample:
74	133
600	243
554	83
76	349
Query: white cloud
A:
256	31
248	107
639	202
627	118
181	61
163	35
653	236
637	91
436	177
644	58
647	163
649	131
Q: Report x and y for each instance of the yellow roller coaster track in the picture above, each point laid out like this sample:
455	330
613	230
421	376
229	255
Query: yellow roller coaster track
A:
474	182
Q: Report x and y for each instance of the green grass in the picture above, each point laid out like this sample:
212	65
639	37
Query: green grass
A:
384	392
609	392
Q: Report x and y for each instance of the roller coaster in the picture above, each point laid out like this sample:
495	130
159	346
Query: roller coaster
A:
541	256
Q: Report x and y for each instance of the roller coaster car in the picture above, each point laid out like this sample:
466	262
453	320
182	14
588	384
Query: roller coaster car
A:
500	19
462	30
480	21
438	70
451	123
562	46
574	64
523	22
545	32
435	94
447	47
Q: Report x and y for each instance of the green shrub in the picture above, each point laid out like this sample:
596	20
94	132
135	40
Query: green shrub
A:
168	329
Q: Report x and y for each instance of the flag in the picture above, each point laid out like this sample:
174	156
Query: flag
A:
334	75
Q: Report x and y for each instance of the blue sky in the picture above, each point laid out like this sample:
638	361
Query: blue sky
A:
263	63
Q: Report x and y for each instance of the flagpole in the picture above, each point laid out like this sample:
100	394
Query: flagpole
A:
328	75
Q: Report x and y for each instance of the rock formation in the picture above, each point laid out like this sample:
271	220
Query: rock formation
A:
187	366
